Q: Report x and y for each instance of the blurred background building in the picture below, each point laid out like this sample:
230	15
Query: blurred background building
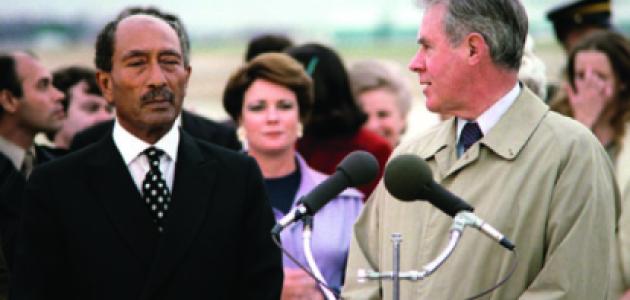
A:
63	32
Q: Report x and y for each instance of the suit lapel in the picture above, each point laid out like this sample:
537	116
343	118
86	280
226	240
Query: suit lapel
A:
113	186
192	188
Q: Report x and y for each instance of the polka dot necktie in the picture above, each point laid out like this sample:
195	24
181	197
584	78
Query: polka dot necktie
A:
470	135
154	190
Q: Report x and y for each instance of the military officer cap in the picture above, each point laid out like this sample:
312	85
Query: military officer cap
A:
571	15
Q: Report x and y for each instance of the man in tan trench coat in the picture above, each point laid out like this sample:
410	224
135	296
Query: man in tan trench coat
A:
540	178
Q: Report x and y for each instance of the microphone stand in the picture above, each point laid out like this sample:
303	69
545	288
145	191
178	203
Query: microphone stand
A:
396	240
307	234
460	221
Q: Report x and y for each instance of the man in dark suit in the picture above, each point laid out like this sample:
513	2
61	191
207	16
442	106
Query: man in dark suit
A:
29	104
11	187
197	126
149	212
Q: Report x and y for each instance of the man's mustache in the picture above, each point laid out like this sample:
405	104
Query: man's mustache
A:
158	94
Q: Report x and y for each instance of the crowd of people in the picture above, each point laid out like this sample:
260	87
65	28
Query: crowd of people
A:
135	197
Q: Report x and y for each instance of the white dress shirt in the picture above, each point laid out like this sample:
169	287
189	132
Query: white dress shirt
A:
131	147
13	152
491	116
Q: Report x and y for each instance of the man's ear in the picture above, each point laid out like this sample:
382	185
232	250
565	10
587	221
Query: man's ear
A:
104	80
188	72
9	102
477	47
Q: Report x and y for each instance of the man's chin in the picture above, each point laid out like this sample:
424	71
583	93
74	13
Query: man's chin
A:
160	120
51	127
433	105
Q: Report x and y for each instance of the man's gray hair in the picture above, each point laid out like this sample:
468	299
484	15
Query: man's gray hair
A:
502	23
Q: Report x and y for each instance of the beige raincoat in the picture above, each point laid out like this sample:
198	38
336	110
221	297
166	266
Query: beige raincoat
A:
540	178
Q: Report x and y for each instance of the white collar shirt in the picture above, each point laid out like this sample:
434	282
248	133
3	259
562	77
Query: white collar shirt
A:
13	152
131	147
491	116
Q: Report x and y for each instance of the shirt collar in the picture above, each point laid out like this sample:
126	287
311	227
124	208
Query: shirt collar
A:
491	116
13	152
130	146
178	121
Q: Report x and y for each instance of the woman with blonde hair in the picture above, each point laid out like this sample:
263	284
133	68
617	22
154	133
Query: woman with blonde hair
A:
384	96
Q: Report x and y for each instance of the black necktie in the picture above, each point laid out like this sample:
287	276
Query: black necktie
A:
470	135
154	189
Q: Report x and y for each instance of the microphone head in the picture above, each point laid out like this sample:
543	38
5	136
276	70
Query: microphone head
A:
407	177
360	167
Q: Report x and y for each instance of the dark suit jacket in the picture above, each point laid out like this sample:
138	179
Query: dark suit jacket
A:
11	186
197	126
45	154
87	234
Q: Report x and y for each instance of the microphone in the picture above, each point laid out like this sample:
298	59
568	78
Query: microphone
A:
357	168
409	178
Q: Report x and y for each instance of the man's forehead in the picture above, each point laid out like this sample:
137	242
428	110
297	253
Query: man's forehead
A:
141	19
82	88
23	59
28	67
137	24
431	21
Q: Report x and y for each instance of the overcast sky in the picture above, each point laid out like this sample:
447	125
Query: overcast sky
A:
221	15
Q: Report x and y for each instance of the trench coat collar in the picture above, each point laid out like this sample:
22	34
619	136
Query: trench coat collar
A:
511	133
506	139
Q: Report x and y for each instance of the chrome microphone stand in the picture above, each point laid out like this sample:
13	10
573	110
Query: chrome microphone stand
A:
460	222
307	233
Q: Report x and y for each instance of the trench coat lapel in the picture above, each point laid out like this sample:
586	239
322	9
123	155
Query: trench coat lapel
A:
442	149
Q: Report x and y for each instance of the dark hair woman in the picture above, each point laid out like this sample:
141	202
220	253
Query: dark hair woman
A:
336	124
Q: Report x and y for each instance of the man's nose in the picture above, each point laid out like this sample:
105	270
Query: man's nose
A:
156	75
57	95
417	62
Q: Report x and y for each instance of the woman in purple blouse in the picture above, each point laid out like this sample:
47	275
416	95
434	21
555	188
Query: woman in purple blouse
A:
269	98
